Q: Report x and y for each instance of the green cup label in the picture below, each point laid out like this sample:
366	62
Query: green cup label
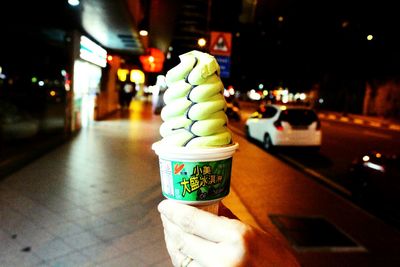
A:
195	181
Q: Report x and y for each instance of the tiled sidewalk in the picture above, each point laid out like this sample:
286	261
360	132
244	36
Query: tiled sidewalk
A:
90	202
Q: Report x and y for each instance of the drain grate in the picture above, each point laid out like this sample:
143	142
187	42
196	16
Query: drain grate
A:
314	233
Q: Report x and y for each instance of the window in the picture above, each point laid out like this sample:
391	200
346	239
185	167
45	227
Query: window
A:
298	116
269	112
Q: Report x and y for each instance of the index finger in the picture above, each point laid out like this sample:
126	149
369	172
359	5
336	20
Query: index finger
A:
201	223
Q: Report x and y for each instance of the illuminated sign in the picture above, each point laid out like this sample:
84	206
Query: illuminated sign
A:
220	43
153	60
122	73
92	52
137	76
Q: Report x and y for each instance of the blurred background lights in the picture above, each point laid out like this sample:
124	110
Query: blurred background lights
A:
41	83
201	42
253	95
285	98
370	37
345	24
226	93
260	86
143	33
122	73
280	18
137	76
73	2
231	90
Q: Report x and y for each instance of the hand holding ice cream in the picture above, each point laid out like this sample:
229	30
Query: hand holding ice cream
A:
198	238
195	156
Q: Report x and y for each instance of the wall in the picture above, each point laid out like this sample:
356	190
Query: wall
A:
107	100
382	99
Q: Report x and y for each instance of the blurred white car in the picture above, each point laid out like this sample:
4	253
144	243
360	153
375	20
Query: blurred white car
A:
284	125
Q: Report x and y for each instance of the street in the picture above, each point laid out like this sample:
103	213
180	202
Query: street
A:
341	144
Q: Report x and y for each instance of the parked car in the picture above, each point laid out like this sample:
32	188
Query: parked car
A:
374	181
233	111
375	175
284	125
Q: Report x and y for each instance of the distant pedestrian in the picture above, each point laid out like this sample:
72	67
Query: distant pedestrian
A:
128	92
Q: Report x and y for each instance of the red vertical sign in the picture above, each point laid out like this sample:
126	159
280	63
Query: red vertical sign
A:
221	43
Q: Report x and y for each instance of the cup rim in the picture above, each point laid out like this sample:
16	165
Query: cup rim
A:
194	154
161	148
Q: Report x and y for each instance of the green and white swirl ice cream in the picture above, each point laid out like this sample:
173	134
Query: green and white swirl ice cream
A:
194	111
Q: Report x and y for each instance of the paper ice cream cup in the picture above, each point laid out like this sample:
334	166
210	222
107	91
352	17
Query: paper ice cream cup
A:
195	176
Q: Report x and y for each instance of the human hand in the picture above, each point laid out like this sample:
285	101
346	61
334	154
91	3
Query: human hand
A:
198	238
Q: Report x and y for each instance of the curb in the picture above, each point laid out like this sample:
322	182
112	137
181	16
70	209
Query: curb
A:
360	121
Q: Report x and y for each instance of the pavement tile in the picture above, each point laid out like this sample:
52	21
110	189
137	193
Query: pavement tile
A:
52	249
73	259
125	260
81	240
101	252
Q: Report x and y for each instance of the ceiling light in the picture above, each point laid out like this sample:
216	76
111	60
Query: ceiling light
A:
143	33
73	2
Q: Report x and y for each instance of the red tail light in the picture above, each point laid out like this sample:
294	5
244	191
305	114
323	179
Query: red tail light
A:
278	125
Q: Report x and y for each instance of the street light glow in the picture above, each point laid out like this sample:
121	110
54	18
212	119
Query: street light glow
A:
370	37
143	33
201	42
73	2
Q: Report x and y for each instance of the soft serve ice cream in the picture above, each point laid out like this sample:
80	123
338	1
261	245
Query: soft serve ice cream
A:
194	111
195	152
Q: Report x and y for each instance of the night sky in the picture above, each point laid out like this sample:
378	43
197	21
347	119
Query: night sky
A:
319	39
